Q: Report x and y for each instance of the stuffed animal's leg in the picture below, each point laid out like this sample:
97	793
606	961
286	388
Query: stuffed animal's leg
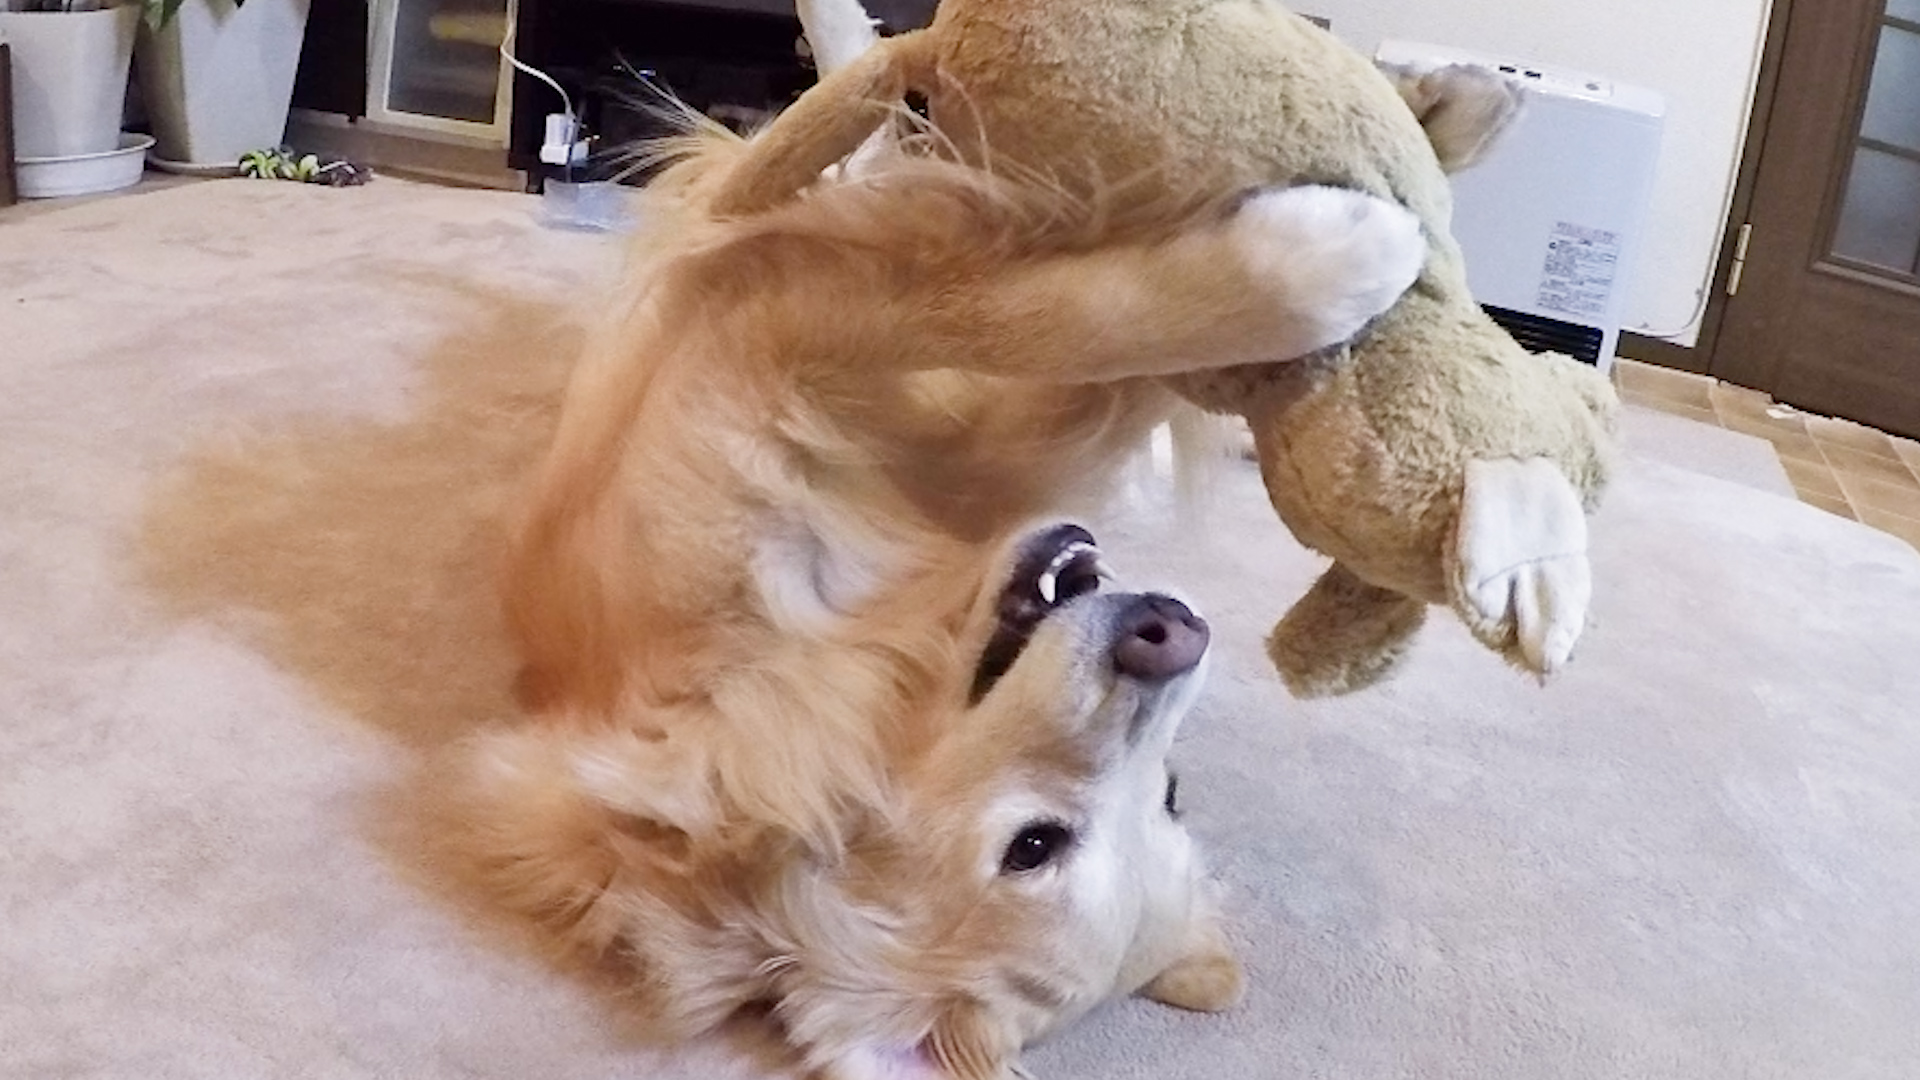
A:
1519	575
1343	635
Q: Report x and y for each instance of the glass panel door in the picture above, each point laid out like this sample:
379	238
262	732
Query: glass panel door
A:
437	66
1879	222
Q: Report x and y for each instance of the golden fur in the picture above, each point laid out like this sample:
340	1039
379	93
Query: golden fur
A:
756	572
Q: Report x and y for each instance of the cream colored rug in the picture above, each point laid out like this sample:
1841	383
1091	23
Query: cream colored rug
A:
1697	856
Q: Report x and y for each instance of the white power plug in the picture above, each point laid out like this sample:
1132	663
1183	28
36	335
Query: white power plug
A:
563	144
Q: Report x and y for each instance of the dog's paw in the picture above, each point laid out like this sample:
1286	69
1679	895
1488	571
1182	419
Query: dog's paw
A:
1334	259
1210	981
1521	575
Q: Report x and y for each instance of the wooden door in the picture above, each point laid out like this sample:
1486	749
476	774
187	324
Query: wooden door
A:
1825	312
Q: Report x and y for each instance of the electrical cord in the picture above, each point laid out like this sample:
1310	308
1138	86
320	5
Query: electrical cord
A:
506	53
566	99
1705	292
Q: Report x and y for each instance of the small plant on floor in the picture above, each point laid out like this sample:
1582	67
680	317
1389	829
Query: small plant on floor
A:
285	163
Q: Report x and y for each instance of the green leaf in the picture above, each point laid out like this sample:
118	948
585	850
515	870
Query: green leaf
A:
160	12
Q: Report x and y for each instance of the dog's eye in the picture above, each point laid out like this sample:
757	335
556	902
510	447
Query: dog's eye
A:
1173	795
1037	845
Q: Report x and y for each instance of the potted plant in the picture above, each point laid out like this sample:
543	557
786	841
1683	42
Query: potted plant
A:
70	73
69	91
216	77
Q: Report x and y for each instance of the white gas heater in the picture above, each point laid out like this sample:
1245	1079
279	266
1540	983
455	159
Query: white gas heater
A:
1551	219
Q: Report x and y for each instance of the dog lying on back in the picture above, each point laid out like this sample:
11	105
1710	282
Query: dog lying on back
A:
820	719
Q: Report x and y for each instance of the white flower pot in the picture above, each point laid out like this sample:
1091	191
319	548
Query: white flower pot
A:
217	80
69	79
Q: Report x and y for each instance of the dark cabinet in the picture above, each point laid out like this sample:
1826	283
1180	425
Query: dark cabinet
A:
738	61
333	59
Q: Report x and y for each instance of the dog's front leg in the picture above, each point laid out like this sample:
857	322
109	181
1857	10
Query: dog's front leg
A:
934	274
1288	272
945	267
1206	976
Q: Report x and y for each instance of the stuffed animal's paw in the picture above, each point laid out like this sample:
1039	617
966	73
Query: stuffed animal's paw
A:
1334	258
1521	580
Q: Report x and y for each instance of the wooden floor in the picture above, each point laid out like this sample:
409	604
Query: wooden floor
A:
1836	465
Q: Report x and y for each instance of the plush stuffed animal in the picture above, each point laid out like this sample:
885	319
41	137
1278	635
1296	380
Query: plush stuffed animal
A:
1432	458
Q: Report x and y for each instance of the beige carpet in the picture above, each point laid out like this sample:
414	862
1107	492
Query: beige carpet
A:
1697	856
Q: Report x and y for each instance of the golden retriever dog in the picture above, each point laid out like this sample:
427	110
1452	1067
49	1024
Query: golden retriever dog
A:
828	715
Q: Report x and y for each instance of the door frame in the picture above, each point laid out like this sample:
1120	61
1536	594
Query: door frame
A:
1699	358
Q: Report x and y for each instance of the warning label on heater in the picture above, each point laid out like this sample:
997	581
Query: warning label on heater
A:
1581	264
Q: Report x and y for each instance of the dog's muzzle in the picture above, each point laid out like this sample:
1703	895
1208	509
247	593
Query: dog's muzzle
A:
1155	637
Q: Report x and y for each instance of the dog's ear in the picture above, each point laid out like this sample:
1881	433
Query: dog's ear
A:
543	822
1463	108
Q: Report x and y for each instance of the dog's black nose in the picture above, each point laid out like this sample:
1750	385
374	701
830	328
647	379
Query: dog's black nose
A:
1159	637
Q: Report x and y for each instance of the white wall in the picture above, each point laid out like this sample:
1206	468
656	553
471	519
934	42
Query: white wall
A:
1702	55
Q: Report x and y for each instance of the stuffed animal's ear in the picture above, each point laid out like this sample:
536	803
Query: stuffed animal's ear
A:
1464	109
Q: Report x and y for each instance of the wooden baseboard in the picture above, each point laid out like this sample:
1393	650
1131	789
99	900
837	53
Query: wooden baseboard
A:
403	151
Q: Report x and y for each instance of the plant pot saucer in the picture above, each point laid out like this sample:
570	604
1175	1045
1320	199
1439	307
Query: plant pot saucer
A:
194	168
84	174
